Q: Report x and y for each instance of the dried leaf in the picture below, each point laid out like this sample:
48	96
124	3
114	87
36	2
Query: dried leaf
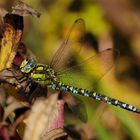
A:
8	76
23	9
3	12
1	113
18	122
11	107
57	119
41	118
58	134
12	35
4	134
2	96
23	52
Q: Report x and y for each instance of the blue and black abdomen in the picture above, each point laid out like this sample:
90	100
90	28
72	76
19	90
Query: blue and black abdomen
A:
93	95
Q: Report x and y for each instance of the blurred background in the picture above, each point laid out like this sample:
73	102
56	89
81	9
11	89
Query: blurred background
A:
109	24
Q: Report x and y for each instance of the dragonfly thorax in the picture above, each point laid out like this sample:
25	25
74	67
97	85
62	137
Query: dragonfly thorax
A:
38	72
43	74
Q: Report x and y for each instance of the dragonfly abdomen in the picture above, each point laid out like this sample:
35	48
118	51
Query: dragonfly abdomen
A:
94	95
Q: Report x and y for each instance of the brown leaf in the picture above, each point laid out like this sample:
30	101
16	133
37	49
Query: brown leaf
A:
58	134
11	37
42	117
23	9
3	12
23	52
4	134
13	105
8	76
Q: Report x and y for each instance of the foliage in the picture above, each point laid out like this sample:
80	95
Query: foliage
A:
108	24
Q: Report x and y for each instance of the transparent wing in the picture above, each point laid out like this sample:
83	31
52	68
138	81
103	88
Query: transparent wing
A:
94	67
77	106
73	39
79	109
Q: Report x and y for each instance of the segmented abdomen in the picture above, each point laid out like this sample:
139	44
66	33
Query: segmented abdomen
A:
94	95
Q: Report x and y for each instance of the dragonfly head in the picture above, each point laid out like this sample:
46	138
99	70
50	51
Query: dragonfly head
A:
27	65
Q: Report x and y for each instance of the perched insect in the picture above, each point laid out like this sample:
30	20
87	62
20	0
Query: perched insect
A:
12	49
47	75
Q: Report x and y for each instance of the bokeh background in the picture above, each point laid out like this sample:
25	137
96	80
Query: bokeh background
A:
113	23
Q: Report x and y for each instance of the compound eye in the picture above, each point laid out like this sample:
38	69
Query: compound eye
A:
24	63
27	65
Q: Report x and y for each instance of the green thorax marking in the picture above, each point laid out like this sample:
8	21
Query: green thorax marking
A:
39	72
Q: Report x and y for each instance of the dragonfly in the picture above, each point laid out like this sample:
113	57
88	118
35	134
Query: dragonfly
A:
48	75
